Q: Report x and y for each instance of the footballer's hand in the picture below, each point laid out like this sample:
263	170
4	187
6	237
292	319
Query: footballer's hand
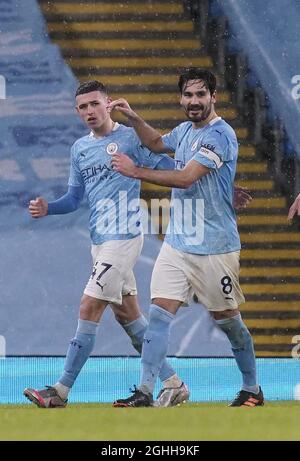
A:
294	209
38	207
241	198
124	165
122	106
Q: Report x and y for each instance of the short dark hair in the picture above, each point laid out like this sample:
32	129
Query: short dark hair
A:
195	73
87	87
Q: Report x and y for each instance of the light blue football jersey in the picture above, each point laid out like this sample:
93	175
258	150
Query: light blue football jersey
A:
113	198
203	219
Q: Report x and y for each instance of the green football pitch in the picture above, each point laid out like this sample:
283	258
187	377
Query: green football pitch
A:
193	421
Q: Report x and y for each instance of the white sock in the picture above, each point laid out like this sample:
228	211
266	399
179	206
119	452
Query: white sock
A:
173	381
62	390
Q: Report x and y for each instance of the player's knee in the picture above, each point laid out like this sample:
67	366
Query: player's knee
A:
91	308
237	333
228	313
122	317
127	313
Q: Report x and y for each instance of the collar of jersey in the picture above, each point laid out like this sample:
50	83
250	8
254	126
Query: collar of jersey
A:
214	120
115	127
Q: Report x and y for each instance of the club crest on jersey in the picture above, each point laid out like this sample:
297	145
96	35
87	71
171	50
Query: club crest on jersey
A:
194	146
111	148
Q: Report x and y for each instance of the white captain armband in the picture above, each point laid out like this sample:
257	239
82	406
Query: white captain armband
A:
211	155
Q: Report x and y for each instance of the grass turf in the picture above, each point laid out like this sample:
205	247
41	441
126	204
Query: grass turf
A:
202	421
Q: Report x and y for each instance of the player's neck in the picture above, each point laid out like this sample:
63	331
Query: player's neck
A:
201	124
104	129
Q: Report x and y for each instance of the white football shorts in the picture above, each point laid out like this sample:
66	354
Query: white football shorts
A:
213	278
112	276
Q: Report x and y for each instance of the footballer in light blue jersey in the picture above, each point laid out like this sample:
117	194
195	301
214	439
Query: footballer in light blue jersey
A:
115	233
212	219
200	253
113	199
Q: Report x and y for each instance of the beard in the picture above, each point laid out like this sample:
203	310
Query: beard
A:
205	112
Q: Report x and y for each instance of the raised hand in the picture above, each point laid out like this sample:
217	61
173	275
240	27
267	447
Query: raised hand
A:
122	106
124	165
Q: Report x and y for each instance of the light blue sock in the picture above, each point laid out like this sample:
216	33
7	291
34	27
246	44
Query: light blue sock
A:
242	348
79	351
136	331
155	346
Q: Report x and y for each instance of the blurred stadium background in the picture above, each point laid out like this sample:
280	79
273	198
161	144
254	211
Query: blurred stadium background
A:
136	48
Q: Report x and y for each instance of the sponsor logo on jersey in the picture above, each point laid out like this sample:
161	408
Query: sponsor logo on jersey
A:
208	150
179	164
96	172
205	151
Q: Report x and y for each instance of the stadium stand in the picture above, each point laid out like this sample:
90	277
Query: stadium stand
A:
44	264
260	56
136	49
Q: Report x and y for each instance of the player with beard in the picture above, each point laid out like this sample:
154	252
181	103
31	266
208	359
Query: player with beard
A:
202	246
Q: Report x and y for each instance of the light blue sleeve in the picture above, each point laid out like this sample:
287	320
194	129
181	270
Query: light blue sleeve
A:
166	163
144	157
170	140
75	178
68	202
214	149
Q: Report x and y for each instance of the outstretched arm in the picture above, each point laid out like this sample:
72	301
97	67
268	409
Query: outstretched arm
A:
65	204
175	178
148	135
181	179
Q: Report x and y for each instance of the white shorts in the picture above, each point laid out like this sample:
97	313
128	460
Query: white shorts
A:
213	278
112	276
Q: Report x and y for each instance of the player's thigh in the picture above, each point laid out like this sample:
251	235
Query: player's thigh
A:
215	280
169	279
